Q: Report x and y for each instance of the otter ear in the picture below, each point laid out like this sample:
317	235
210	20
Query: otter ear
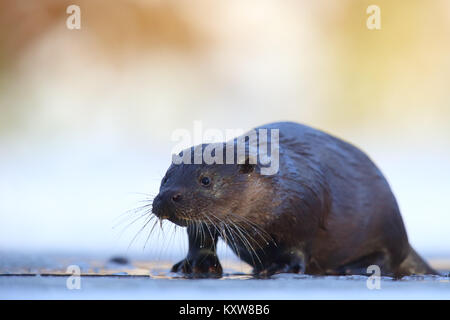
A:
246	168
247	165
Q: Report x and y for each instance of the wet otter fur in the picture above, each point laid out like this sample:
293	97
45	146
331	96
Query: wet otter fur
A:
327	211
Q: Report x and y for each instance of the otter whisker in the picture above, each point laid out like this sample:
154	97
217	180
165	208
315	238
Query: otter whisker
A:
246	237
196	227
233	243
174	227
132	212
130	223
221	231
243	241
228	238
249	236
202	240
143	194
258	229
246	243
150	233
212	237
250	249
200	231
140	230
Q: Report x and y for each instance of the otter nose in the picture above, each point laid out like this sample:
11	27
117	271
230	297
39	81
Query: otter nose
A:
177	197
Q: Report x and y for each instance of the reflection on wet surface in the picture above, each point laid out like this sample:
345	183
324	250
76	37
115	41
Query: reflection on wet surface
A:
56	265
44	277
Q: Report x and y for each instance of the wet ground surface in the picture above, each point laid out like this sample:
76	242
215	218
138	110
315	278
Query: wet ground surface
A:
46	277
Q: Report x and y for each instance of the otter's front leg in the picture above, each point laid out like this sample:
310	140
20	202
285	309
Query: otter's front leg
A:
201	260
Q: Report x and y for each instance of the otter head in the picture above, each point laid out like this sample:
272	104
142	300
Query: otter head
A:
209	193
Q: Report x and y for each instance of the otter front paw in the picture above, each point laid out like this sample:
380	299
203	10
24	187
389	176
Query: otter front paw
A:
199	266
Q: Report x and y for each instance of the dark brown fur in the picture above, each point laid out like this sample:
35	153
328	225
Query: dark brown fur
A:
328	210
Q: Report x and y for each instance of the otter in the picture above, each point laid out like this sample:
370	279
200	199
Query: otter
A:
328	210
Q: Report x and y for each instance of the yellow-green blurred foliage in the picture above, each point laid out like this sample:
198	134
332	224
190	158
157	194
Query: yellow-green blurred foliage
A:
309	61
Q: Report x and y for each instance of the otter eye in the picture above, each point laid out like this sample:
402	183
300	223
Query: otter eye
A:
205	181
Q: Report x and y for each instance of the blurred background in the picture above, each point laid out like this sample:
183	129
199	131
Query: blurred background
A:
87	115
